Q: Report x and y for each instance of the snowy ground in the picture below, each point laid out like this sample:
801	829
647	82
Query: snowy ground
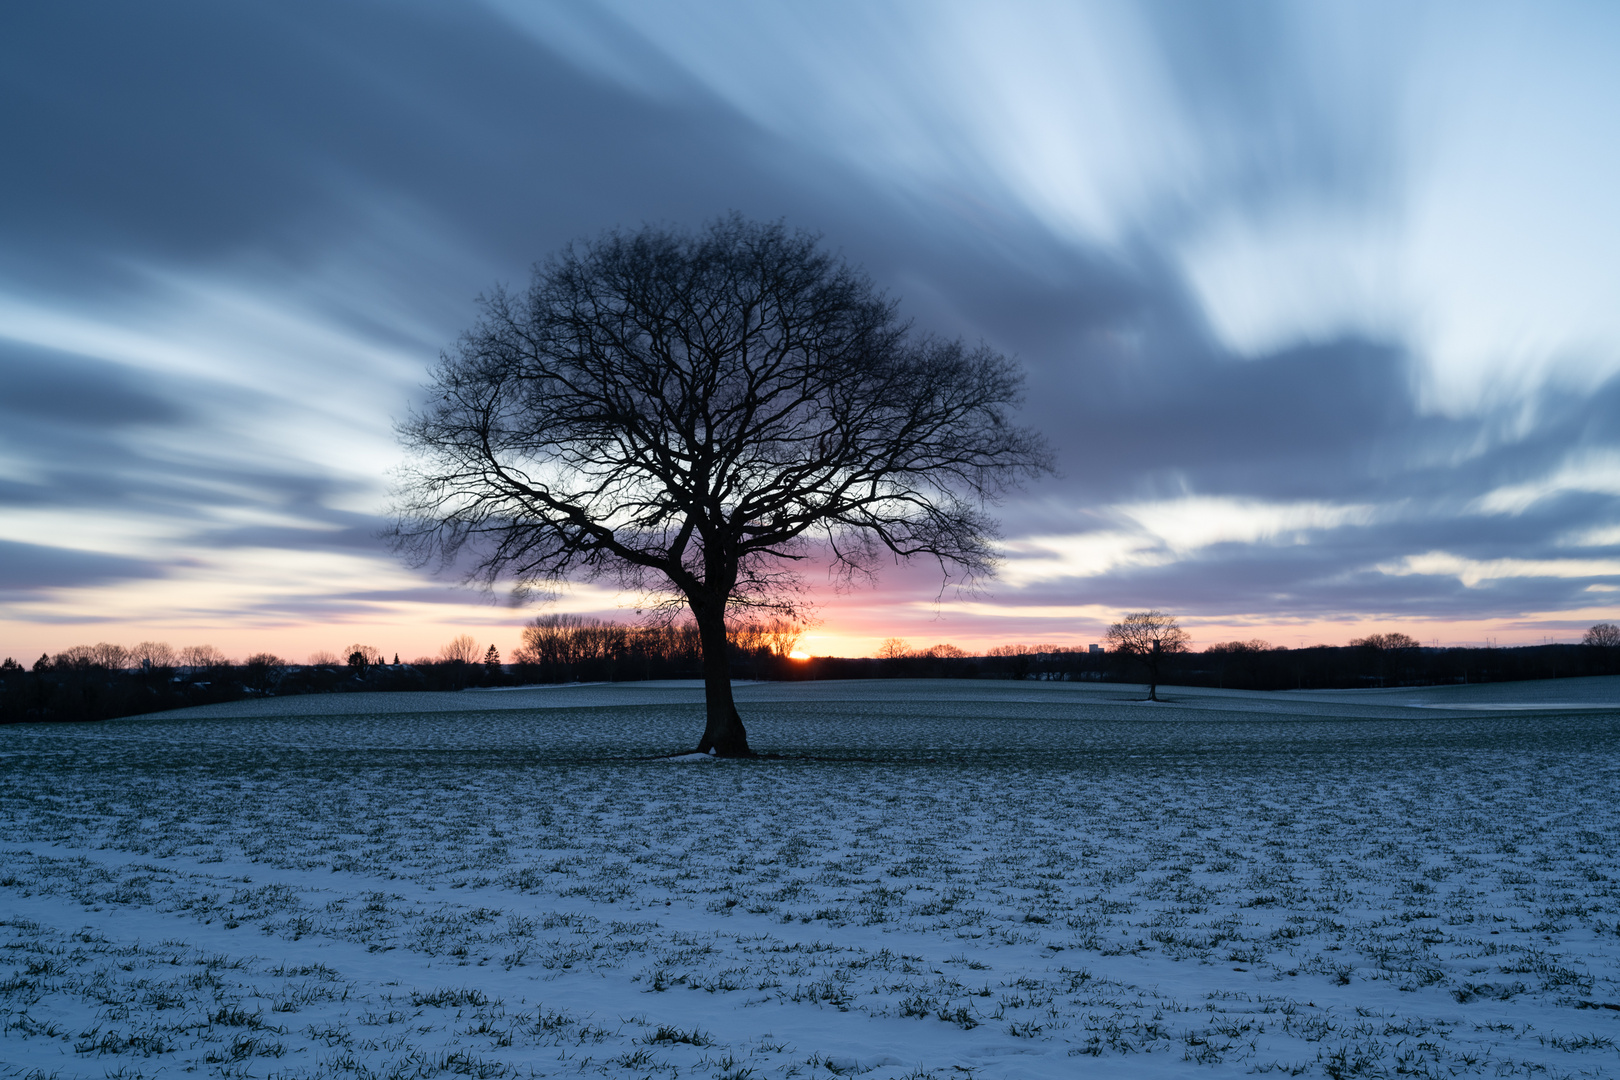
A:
945	879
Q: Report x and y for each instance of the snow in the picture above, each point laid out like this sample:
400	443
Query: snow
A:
934	878
1588	692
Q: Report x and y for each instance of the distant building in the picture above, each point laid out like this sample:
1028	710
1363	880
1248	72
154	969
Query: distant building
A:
1095	648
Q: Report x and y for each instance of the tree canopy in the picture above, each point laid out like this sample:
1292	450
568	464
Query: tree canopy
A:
1148	637
1603	635
692	415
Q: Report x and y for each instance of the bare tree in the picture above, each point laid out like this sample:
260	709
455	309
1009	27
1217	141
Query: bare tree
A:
562	642
461	649
893	649
1386	650
562	639
197	658
1022	650
263	670
777	637
782	636
686	413
362	657
1603	639
1148	637
1604	635
103	654
152	656
1392	642
944	651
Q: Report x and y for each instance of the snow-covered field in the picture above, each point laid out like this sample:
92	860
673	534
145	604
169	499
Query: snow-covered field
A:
936	879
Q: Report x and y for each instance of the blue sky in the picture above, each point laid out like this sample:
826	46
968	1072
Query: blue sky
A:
1318	302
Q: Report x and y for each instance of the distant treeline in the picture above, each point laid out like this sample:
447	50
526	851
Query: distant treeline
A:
1246	665
53	690
97	682
103	681
573	648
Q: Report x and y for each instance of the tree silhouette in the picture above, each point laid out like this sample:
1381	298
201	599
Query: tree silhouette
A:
1386	650
461	649
1148	637
362	658
893	649
262	670
1603	639
690	415
1603	635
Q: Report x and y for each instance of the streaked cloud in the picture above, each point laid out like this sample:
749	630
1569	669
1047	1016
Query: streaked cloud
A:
1584	471
1314	300
1163	532
1474	572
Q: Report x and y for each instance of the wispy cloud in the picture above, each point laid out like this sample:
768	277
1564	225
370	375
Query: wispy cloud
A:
1314	299
1474	572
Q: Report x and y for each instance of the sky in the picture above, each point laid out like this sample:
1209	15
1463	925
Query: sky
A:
1317	303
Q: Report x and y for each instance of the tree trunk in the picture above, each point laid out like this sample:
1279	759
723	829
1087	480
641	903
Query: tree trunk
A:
723	734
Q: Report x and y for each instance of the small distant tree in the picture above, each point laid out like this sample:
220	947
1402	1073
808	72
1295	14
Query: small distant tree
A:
782	636
323	658
461	649
1388	651
155	656
893	649
362	658
1392	642
492	662
198	658
1603	635
1604	640
262	671
369	655
1147	637
103	655
778	637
